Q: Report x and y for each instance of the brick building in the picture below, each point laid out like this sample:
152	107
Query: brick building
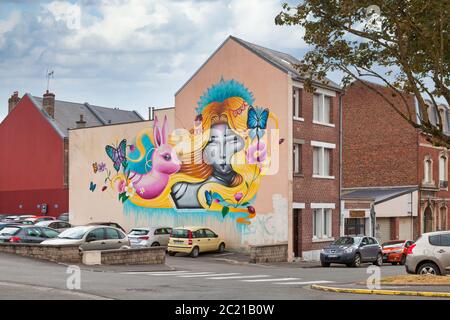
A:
390	169
34	156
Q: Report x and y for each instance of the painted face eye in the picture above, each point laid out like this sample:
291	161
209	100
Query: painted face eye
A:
167	157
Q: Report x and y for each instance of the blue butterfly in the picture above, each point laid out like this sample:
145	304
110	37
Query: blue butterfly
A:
209	198
257	121
92	186
118	154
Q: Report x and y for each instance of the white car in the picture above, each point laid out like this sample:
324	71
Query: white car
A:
149	237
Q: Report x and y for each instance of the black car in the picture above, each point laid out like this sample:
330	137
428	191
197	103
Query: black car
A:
26	234
352	251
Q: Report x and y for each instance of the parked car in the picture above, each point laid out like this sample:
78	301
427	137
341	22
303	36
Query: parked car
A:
149	237
23	217
64	217
109	224
9	218
55	224
37	219
92	238
7	224
395	251
430	254
194	240
26	222
26	234
352	251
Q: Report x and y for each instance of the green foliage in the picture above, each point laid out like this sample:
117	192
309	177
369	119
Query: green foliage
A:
402	44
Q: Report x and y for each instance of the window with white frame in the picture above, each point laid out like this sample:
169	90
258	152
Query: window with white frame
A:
322	161
322	109
428	170
443	171
296	102
297	158
322	222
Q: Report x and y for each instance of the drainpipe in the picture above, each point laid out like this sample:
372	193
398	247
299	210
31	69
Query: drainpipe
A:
340	164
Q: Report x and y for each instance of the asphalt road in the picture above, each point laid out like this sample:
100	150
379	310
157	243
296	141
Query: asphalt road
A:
200	279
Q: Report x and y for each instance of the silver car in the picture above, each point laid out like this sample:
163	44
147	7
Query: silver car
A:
430	254
55	224
149	237
92	238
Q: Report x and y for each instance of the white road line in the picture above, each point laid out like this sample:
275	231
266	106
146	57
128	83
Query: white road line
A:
183	274
207	275
271	280
306	282
154	272
238	277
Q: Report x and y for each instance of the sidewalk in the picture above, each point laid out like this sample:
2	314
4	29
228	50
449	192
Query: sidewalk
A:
437	291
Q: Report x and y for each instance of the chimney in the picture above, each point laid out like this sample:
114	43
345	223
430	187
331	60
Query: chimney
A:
13	101
151	113
81	123
48	103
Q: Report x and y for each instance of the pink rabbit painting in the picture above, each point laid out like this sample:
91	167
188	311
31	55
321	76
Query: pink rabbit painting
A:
164	163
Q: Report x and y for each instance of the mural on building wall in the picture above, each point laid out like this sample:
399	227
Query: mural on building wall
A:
216	166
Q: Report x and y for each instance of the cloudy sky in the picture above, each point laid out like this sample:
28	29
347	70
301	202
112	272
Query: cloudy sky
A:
130	54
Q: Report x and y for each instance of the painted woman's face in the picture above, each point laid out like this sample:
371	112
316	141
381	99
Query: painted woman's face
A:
223	144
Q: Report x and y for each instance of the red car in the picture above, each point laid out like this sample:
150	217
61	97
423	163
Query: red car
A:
395	251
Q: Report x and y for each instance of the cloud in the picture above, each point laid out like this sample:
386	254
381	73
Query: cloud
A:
130	53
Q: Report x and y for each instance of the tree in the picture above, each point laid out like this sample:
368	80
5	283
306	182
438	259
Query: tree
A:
403	44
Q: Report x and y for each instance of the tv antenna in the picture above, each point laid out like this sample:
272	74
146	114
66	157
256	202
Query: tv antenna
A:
50	74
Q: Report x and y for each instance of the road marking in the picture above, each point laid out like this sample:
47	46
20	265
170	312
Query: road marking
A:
306	282
207	275
269	280
155	272
238	277
184	274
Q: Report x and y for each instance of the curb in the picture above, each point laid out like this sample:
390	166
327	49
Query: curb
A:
383	292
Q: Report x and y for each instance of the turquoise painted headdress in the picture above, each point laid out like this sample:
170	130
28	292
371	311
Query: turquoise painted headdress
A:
224	90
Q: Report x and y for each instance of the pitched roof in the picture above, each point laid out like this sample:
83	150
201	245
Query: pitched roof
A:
378	195
68	113
281	60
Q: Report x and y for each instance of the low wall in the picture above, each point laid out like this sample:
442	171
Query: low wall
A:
152	255
269	253
62	253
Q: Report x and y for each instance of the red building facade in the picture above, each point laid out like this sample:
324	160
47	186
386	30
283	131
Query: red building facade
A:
32	174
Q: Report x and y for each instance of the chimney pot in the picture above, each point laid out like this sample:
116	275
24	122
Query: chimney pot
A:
151	113
13	101
81	123
48	103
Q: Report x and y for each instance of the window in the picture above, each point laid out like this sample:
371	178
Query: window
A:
322	162
445	240
48	233
297	158
322	109
296	102
112	234
443	218
210	234
97	234
435	240
355	226
428	170
443	172
322	223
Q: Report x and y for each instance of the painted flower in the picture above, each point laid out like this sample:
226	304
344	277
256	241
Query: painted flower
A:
101	167
251	209
129	190
256	153
132	147
141	190
238	196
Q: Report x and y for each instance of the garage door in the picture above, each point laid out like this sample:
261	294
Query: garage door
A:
405	229
383	229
